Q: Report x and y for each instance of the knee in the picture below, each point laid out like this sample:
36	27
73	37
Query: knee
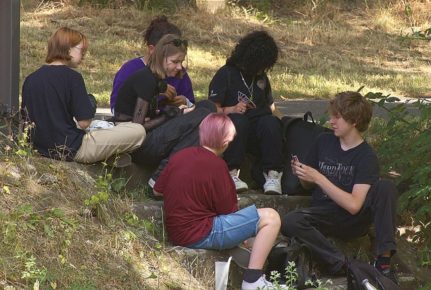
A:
290	223
240	122
269	124
269	216
207	104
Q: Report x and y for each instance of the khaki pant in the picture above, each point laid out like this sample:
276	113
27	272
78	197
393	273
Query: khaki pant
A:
98	145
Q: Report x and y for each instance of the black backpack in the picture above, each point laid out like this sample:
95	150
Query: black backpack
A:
299	134
360	273
297	252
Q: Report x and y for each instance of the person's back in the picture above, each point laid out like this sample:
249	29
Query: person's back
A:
199	188
201	208
55	89
55	100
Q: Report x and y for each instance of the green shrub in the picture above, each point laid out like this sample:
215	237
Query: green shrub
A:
403	146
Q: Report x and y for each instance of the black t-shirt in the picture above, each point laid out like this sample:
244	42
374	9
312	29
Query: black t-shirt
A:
358	165
227	85
52	96
142	84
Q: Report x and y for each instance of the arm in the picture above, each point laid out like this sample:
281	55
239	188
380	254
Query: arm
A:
141	112
239	108
352	202
185	87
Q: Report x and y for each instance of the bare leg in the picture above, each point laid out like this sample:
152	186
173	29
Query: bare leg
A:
269	227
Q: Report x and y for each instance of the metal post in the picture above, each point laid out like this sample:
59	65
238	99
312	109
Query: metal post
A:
9	56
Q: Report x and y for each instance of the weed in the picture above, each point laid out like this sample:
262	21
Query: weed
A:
291	277
397	137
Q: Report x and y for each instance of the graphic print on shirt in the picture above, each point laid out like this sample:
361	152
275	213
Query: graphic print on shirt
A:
336	171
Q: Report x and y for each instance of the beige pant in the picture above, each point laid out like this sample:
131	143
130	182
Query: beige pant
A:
98	145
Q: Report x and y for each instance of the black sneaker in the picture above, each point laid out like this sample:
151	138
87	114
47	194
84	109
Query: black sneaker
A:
388	272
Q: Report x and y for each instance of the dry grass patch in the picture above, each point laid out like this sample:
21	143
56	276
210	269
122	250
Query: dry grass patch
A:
50	237
325	48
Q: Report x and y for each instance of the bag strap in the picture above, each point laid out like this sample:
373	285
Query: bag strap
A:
309	115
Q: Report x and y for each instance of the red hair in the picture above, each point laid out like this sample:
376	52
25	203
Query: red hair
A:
215	130
60	43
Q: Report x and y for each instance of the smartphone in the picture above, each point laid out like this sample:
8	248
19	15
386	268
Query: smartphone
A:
295	158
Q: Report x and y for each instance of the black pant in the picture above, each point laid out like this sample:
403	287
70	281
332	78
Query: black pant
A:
176	134
260	135
311	225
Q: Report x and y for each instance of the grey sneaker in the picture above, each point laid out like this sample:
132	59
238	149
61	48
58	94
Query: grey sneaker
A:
273	182
261	284
240	185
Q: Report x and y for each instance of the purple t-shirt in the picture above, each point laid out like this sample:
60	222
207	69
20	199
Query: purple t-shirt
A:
182	85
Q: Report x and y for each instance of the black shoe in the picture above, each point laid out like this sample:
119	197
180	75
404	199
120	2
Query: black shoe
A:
388	272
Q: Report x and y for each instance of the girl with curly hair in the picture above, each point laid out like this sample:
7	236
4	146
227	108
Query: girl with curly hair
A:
241	89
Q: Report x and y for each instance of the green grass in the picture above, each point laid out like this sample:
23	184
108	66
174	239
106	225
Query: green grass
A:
320	54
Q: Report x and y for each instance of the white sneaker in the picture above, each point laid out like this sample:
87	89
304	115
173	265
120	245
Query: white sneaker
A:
240	185
261	284
273	182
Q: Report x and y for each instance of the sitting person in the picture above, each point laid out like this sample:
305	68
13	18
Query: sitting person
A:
200	202
241	90
158	27
171	130
348	195
55	94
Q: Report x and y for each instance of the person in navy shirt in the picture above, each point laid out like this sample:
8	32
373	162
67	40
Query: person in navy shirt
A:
348	196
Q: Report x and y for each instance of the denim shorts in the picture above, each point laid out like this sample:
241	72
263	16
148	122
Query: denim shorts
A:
230	230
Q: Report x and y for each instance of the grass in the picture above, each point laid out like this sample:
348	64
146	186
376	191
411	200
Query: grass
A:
51	238
322	52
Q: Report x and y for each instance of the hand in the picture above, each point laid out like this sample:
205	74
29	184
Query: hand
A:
304	172
170	92
240	108
177	101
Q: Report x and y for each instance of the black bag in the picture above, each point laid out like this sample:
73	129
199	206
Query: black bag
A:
297	252
359	272
299	134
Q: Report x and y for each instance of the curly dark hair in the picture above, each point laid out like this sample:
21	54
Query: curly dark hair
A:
255	53
159	27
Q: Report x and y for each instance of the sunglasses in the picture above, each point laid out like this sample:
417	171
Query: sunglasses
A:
178	42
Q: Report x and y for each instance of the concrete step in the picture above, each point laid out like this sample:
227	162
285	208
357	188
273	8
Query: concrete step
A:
200	263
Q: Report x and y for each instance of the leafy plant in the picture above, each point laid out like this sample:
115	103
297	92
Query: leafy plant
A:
291	277
403	147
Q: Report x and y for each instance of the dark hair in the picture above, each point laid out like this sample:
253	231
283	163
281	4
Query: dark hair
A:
353	107
255	53
60	43
159	27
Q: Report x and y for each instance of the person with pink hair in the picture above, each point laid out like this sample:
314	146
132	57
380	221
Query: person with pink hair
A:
201	207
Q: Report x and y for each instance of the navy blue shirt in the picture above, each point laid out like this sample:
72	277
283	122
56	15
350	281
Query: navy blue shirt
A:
358	165
228	84
52	96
